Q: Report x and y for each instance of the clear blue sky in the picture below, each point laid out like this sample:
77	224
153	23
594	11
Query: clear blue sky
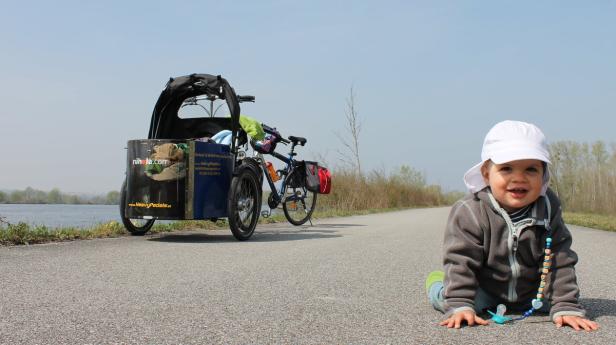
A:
79	79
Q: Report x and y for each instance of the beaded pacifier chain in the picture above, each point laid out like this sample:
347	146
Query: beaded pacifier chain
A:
499	317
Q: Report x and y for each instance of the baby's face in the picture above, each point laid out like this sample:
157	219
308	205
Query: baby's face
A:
514	184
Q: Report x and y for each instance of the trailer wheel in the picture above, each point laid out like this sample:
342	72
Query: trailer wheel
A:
244	203
136	227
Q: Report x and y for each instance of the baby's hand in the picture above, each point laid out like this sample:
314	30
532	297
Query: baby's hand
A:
455	320
576	323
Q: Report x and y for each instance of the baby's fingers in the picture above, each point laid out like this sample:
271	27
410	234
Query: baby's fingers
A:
559	322
589	325
576	323
470	319
584	325
448	322
453	321
458	320
594	325
481	321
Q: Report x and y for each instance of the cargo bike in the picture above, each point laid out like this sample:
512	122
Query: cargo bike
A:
184	171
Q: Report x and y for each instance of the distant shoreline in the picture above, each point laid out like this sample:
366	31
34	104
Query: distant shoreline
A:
56	197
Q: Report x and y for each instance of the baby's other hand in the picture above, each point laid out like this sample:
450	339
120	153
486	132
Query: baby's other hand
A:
455	320
576	323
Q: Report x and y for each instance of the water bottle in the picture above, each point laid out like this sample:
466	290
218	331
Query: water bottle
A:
272	172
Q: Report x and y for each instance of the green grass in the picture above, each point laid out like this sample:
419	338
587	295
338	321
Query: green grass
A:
591	220
22	233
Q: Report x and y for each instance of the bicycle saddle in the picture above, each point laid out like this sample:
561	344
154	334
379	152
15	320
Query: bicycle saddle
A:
298	140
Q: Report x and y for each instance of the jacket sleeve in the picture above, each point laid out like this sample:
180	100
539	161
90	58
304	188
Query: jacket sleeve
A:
462	258
562	288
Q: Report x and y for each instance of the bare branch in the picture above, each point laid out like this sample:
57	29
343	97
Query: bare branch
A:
353	129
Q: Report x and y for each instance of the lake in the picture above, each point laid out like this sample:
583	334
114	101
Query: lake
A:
81	216
60	215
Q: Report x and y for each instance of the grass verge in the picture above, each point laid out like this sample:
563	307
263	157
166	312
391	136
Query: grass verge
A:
591	220
22	233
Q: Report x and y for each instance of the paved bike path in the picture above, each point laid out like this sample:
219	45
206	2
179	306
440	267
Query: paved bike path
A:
345	280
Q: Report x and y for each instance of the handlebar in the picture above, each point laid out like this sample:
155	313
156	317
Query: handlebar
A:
274	131
245	98
270	130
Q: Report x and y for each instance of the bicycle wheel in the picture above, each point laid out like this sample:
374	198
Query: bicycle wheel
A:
136	227
298	204
244	204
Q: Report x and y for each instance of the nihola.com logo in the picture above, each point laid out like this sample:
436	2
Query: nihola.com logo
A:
148	161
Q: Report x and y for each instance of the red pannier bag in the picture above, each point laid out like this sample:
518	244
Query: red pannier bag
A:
325	180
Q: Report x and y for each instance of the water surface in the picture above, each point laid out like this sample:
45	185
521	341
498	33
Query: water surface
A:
82	216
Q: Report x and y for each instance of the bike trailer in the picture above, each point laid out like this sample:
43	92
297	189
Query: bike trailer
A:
181	172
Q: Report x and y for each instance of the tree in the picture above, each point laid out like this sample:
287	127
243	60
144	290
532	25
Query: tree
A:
3	197
113	198
351	140
17	197
29	195
584	176
54	196
72	199
411	177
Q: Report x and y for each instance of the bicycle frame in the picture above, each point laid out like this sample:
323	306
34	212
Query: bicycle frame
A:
278	196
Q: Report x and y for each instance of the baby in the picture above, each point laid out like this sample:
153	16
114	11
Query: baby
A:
506	242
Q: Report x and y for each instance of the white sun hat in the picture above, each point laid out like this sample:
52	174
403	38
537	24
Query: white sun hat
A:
510	141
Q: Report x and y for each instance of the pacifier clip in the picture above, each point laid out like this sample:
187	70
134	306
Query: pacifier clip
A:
536	304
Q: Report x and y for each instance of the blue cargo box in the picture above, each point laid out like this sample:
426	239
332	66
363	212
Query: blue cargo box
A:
210	169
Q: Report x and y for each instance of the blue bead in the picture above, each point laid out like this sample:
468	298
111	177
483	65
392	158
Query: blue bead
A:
548	240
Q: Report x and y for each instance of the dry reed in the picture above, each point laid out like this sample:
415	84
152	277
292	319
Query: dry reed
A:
584	176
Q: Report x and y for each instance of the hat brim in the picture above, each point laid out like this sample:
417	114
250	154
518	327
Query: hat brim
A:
518	153
474	180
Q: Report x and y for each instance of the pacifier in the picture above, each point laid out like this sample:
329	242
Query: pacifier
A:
499	317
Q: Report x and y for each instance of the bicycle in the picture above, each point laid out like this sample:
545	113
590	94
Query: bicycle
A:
298	202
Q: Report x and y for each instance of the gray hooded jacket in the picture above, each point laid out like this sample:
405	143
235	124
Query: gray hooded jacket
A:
484	249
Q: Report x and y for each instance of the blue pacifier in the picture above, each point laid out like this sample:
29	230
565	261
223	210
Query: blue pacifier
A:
500	317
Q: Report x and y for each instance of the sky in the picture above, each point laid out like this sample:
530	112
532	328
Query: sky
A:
79	79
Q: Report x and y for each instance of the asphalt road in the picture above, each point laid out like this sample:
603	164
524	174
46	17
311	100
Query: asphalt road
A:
348	280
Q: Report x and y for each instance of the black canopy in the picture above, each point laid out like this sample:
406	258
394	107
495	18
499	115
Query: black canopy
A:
166	124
